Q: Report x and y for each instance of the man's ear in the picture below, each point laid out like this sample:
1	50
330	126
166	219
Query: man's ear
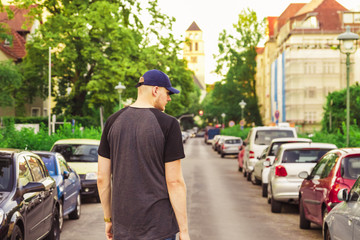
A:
155	91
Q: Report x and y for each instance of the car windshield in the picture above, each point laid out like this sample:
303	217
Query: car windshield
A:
6	175
276	145
78	152
303	155
350	168
50	164
264	137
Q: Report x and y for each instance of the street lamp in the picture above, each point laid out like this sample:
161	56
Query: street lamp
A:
348	45
242	105
223	117
120	88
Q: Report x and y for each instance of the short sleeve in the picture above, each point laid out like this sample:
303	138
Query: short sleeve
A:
174	148
104	147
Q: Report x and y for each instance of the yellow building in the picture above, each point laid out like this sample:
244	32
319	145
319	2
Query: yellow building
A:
194	53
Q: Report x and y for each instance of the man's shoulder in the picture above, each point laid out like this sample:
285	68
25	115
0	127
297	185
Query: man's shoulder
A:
163	116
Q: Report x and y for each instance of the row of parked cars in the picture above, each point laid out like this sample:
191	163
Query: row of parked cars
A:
39	188
322	179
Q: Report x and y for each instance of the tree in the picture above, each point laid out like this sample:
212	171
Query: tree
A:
96	45
236	62
335	108
10	80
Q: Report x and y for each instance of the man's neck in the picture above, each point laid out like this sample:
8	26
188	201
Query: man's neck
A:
142	104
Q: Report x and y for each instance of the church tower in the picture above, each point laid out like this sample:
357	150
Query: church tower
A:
194	54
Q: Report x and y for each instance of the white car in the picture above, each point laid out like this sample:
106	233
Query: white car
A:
257	140
290	160
230	146
262	167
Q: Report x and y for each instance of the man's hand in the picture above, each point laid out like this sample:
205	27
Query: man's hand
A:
108	231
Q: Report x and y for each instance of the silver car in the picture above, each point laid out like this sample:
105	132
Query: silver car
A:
290	160
343	221
230	146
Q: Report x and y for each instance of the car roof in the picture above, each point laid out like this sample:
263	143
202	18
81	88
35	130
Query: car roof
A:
273	128
291	139
348	151
310	145
78	141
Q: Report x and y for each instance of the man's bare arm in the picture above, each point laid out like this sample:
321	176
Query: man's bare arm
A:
104	188
177	193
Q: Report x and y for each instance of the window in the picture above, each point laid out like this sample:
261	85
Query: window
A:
311	92
193	59
318	169
190	46
36	168
6	173
331	160
63	165
329	67
310	22
356	17
302	155
196	46
24	173
355	191
310	117
350	167
264	137
35	112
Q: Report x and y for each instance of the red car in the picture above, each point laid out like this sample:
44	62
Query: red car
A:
336	170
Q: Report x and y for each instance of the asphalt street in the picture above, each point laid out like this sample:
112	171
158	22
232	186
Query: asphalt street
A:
221	205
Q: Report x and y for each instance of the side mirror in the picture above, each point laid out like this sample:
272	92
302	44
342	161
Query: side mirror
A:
303	175
343	195
66	174
30	187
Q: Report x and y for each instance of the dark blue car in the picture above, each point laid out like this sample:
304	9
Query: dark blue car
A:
67	183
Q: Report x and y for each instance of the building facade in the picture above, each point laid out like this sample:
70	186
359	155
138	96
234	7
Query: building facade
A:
305	65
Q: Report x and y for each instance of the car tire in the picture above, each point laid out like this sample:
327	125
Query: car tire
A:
222	155
304	223
54	233
61	214
16	233
324	214
77	211
327	235
275	206
248	176
264	192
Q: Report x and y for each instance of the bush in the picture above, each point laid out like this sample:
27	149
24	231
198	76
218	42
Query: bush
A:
236	131
27	139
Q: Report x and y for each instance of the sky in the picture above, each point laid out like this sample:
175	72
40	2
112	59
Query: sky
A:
212	16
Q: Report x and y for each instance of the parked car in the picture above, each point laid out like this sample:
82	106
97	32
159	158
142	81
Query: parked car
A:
230	146
343	222
215	141
219	142
338	169
262	167
67	183
241	157
290	160
185	136
29	207
210	133
258	139
82	156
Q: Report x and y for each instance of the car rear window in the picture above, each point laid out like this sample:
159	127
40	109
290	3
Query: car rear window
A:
233	141
264	137
350	168
303	155
77	152
6	174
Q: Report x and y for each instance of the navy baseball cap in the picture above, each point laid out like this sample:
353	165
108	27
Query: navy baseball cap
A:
156	77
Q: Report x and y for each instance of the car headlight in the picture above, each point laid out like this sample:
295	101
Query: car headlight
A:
91	176
2	215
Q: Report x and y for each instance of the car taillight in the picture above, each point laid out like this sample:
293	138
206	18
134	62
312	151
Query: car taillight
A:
251	154
223	147
280	171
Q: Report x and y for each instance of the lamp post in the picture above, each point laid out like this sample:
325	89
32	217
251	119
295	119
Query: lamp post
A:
120	88
348	45
242	105
223	117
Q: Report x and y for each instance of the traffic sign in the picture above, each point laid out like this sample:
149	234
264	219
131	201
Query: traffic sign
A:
277	114
231	123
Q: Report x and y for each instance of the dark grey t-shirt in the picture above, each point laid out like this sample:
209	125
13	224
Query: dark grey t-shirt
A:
139	141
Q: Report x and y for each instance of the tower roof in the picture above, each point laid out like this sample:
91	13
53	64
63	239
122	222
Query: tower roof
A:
193	27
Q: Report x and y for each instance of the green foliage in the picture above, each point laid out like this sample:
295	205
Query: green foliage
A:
336	108
95	45
27	139
10	81
236	131
237	60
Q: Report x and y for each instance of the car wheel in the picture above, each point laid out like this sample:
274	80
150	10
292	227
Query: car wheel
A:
264	190
327	235
325	213
275	206
54	233
61	215
248	177
304	223
16	233
222	155
77	211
